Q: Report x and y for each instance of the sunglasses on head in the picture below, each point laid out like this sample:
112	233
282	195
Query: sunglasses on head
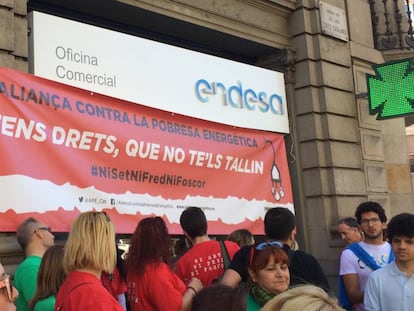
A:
261	247
5	283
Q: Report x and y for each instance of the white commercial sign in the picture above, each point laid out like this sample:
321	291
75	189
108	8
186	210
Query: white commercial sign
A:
157	75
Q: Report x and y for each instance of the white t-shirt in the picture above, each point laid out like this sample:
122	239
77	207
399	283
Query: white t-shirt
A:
351	264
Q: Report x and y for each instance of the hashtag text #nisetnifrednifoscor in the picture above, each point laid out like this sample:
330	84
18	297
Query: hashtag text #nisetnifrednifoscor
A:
145	177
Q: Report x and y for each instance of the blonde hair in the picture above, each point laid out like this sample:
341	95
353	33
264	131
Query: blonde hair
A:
91	243
304	298
242	237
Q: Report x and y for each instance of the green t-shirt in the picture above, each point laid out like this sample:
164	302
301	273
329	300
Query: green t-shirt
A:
252	305
25	280
47	304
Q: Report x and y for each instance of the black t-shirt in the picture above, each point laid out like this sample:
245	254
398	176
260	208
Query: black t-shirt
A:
303	267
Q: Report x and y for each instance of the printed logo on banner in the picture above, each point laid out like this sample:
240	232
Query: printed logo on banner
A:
86	200
236	96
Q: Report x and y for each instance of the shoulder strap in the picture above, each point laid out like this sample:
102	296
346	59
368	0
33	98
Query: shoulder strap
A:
343	298
224	254
392	257
363	255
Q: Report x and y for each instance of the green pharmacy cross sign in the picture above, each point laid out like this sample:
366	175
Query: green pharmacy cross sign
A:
391	90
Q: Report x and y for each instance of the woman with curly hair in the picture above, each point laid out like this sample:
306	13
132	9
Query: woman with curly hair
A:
152	285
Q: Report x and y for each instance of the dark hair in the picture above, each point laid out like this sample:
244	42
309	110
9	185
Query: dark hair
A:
149	243
242	237
370	206
219	297
51	274
279	223
401	225
349	221
194	221
258	259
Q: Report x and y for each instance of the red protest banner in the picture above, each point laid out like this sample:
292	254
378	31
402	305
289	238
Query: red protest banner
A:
65	150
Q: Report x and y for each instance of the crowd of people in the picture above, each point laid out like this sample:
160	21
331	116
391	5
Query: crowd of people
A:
88	273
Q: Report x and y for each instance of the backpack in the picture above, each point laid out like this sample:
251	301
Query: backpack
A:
367	259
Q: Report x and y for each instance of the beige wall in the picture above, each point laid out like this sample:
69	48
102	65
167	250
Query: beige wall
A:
13	34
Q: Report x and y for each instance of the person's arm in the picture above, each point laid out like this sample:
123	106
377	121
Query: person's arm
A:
192	289
187	300
231	278
351	282
349	269
237	270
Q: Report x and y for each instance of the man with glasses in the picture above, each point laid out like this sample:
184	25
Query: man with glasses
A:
360	259
35	238
279	225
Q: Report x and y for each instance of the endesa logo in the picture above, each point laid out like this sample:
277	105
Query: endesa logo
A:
237	97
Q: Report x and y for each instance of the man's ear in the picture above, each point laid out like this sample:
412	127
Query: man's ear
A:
37	233
293	234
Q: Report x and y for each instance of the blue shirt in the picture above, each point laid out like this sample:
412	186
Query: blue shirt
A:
389	289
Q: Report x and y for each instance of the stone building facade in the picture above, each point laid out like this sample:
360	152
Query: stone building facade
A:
338	153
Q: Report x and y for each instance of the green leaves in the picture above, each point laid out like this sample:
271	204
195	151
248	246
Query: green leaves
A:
391	90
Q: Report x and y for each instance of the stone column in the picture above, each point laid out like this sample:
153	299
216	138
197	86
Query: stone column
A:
13	34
